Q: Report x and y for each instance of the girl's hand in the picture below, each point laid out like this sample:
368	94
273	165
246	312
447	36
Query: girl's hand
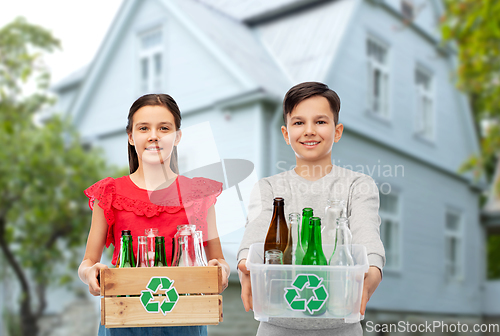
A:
225	273
372	280
246	287
92	273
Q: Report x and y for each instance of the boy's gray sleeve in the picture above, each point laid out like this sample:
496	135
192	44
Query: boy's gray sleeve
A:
364	220
260	211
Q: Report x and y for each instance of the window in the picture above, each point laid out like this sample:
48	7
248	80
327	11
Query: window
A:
378	78
453	245
425	114
389	229
150	61
407	10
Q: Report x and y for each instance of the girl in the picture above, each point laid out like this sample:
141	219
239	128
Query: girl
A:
152	196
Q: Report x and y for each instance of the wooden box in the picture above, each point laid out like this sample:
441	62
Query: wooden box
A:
130	297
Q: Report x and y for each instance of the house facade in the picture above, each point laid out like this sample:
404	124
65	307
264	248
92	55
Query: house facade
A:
230	63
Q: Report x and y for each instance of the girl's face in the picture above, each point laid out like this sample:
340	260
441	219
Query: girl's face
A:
153	134
311	129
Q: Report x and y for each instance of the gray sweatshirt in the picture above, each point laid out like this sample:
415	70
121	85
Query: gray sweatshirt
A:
361	194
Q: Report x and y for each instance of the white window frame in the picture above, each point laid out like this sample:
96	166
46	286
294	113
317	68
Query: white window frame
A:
383	67
154	81
458	236
392	254
425	124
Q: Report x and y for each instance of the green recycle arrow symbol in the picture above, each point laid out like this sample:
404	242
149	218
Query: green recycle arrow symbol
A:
147	296
306	281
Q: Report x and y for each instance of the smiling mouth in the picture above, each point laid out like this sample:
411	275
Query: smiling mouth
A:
310	143
154	149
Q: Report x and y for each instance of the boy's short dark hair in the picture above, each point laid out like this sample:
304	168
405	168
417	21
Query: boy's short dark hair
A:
302	91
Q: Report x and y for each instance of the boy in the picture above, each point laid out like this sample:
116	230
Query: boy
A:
310	112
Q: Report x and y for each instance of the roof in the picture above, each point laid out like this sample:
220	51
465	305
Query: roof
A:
307	43
251	10
72	79
239	43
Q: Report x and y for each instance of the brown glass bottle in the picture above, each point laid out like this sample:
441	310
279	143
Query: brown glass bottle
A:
277	234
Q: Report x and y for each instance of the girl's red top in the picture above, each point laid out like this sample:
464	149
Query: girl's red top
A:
128	207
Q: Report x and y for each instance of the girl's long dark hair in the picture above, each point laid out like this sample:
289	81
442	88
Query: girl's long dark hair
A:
153	100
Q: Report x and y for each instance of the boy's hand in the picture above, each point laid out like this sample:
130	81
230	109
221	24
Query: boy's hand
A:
246	287
92	273
225	273
372	280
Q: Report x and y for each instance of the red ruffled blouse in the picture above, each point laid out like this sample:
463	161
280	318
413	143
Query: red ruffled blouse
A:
128	207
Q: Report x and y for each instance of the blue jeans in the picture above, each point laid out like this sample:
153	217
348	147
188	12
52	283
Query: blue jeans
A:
154	331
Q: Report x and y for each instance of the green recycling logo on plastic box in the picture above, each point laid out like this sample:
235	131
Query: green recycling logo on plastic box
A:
315	285
155	284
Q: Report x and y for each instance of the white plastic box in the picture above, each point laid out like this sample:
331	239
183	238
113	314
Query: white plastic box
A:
297	291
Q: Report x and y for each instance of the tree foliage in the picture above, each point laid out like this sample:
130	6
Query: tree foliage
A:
44	216
474	28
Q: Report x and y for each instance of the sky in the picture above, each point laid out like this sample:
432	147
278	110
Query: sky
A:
80	26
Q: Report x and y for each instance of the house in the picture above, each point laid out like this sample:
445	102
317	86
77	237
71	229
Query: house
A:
230	63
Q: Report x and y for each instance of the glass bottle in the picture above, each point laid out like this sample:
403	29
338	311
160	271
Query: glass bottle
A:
277	234
151	233
185	251
200	254
274	281
274	257
342	255
305	233
142	252
341	296
160	255
124	233
315	256
334	209
293	239
288	254
127	252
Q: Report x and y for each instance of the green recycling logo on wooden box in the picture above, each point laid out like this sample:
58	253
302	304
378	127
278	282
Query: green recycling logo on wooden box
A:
156	284
310	284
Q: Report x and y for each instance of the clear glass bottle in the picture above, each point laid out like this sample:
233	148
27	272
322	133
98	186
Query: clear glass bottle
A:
151	233
142	252
340	303
274	257
297	253
274	280
185	250
200	253
334	209
342	255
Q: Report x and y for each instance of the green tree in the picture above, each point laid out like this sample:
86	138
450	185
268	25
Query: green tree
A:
44	217
473	27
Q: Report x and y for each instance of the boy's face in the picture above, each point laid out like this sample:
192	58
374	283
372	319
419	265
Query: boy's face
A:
311	130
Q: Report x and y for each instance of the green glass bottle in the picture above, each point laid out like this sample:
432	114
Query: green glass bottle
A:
160	255
127	252
315	256
305	233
